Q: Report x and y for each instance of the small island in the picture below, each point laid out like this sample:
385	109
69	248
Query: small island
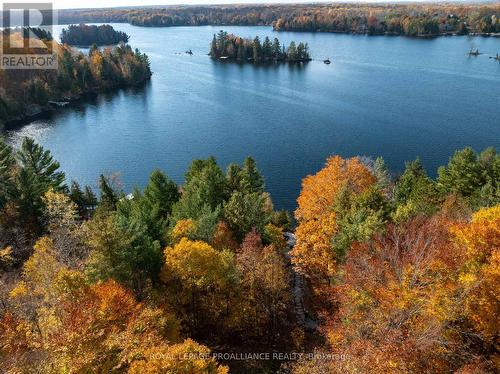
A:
231	47
86	35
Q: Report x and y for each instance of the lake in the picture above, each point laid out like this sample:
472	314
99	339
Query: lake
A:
390	96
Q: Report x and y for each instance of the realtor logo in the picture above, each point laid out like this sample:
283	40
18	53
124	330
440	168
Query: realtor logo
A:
26	36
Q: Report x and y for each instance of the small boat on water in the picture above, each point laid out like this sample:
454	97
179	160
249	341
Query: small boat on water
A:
474	52
327	61
497	57
58	104
189	52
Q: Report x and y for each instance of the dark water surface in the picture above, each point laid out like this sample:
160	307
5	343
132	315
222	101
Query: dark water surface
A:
390	96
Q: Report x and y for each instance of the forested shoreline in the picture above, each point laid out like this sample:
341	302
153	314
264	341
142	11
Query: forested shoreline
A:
399	272
226	46
429	19
27	93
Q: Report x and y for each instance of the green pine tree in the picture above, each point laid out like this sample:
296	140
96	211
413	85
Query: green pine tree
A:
221	41
90	198
213	48
233	177
77	196
414	190
251	178
276	49
381	173
33	157
463	174
109	197
267	50
292	52
257	50
7	163
161	192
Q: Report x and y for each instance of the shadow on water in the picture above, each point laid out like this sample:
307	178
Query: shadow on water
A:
264	65
80	106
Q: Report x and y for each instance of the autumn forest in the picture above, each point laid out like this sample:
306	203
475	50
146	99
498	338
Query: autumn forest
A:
374	270
395	273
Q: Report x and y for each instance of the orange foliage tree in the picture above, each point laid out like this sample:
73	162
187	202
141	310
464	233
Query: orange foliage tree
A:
421	297
313	254
59	322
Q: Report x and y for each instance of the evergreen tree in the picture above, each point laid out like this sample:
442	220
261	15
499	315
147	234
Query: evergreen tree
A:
276	49
282	218
221	43
28	199
7	163
267	51
292	52
213	48
90	198
251	178
246	211
257	50
84	199
33	157
205	185
381	173
413	174
77	196
206	223
122	252
301	51
415	192
197	166
306	56
109	197
463	174
233	177
490	163
161	192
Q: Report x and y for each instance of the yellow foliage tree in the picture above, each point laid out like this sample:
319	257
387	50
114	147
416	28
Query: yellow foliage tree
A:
187	357
184	228
481	275
313	254
39	271
196	264
201	271
62	216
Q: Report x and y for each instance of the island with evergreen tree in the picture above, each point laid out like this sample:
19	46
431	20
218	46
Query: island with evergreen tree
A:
86	35
231	47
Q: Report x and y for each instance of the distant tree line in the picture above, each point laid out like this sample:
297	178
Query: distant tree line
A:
28	91
84	35
229	46
409	20
395	19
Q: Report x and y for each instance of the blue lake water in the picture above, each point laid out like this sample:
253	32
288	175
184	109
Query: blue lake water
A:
390	96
